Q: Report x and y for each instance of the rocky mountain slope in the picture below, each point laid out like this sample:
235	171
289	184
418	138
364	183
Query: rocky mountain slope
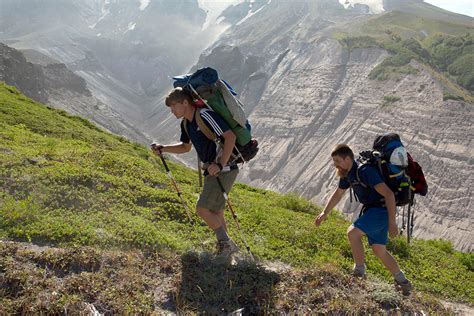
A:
306	91
51	82
125	50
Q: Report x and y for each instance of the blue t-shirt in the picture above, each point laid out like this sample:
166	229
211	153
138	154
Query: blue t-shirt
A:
370	176
206	148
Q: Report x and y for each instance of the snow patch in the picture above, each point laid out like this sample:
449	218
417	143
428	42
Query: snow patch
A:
144	4
214	8
105	10
130	27
375	6
249	14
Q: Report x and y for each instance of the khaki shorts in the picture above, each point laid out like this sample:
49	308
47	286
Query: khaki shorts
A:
211	197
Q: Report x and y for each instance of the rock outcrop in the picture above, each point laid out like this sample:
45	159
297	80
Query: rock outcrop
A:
51	82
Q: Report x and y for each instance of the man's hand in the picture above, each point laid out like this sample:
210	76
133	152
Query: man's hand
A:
214	169
157	149
392	230
321	217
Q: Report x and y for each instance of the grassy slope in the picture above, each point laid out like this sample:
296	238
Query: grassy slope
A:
65	182
392	30
411	25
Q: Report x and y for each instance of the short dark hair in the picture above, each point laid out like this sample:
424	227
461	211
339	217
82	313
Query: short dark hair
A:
342	150
178	95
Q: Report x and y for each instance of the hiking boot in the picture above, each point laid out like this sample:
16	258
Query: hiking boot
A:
226	248
405	287
359	274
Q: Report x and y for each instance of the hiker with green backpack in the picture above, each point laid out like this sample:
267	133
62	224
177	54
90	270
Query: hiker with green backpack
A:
212	120
211	203
378	213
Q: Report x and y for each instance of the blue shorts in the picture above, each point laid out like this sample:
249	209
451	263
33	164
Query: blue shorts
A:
374	223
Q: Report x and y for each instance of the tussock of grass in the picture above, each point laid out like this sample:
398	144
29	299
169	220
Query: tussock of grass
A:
210	286
389	99
296	203
450	96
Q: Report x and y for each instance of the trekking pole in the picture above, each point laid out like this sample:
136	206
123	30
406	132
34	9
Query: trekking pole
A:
234	215
175	184
412	224
409	223
403	219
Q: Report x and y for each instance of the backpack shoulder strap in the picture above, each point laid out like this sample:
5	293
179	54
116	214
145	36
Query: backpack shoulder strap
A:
200	123
359	181
203	127
184	123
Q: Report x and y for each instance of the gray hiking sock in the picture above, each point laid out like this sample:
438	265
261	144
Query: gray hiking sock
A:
221	234
359	268
400	277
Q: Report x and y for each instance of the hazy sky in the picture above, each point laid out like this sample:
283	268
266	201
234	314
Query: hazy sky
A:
465	7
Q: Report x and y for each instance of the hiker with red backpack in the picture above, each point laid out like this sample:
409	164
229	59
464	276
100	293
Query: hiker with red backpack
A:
377	217
211	202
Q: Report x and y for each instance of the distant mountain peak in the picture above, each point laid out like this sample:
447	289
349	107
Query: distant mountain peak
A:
214	9
375	6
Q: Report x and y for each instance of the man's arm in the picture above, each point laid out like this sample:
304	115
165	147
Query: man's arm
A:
229	142
335	198
179	148
389	197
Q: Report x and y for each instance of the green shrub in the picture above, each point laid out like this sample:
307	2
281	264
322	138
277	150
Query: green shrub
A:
467	259
449	96
443	245
389	99
352	42
415	46
296	203
463	70
397	60
399	246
